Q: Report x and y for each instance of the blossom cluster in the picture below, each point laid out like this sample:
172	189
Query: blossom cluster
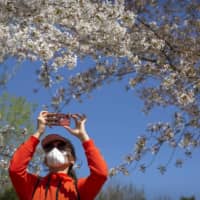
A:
178	135
56	32
59	32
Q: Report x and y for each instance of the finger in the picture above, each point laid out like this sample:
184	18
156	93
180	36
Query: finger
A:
43	113
68	128
75	116
84	117
42	120
79	116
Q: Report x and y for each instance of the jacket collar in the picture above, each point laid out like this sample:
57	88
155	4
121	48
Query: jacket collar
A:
59	175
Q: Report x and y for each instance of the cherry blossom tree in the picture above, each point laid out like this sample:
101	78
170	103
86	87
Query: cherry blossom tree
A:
15	124
152	43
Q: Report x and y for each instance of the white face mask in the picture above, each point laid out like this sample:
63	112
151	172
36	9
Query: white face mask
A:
56	158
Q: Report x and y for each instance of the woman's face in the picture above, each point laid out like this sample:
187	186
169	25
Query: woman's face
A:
58	156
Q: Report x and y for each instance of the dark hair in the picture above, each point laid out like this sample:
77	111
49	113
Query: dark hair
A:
71	171
70	146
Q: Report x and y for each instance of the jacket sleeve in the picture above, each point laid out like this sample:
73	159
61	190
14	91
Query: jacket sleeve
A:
23	181
90	186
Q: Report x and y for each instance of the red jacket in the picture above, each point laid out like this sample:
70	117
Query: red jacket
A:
25	182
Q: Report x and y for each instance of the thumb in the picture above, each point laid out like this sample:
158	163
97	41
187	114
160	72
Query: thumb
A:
68	128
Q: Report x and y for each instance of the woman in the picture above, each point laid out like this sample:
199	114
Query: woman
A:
60	183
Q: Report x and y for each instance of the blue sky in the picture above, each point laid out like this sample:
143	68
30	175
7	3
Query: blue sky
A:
115	120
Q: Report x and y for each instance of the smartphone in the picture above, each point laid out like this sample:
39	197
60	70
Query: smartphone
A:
58	119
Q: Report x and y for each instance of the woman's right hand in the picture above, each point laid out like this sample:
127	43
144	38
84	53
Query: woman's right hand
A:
42	121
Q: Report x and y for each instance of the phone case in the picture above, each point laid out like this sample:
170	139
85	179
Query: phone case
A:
58	119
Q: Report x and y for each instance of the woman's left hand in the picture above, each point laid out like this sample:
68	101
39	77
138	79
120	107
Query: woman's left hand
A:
79	130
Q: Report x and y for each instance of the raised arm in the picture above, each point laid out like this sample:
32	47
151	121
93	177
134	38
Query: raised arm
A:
90	186
23	181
